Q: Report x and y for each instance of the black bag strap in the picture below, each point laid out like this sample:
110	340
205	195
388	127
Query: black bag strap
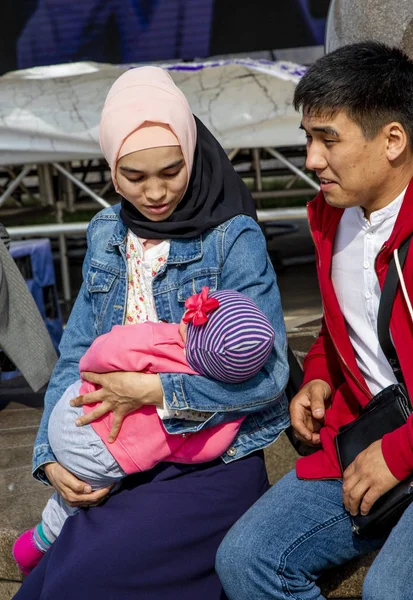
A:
388	294
294	384
296	377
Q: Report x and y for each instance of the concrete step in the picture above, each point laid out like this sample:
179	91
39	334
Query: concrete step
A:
18	428
8	589
16	458
17	437
22	499
10	576
12	418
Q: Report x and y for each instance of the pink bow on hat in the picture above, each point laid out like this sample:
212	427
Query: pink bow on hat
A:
199	305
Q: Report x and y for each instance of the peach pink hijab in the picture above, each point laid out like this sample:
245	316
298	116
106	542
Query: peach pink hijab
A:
145	109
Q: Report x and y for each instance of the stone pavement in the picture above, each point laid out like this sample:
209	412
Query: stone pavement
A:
22	498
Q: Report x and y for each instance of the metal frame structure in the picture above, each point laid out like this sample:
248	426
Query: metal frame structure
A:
70	181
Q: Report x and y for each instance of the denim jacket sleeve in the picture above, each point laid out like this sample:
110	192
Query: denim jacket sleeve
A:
246	268
77	337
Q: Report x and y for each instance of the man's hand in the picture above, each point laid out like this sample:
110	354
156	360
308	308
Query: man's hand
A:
366	479
121	393
307	410
73	491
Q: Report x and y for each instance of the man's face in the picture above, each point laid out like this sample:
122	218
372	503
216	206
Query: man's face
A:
351	168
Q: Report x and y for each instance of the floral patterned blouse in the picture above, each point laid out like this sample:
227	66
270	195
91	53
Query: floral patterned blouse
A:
143	265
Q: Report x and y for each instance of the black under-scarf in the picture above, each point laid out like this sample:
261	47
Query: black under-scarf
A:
215	194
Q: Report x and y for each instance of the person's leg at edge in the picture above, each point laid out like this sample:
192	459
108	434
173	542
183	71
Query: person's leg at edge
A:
390	575
282	545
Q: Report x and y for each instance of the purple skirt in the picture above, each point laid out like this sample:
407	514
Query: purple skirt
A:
156	538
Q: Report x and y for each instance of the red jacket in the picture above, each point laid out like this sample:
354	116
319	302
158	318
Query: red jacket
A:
332	358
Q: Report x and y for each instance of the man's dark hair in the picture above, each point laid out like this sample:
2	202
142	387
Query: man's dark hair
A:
369	81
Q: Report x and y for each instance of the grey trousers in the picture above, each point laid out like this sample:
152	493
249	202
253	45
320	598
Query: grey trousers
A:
82	452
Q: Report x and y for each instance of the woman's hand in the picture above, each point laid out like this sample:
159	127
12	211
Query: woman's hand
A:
73	491
121	393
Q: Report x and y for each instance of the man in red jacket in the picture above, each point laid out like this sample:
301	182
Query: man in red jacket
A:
357	106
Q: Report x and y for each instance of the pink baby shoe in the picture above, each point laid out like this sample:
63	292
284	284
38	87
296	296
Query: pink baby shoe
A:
25	552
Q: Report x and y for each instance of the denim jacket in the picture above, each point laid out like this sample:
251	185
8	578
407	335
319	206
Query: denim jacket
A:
230	256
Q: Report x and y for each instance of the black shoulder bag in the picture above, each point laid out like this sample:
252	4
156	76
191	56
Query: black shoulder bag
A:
387	411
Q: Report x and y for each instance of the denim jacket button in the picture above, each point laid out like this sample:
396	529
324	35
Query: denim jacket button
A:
231	451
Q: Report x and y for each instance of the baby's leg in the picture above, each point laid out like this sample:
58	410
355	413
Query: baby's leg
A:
79	449
30	547
54	516
82	452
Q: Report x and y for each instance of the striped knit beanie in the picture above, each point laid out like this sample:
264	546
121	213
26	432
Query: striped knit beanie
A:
231	343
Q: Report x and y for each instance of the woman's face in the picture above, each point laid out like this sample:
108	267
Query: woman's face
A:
153	180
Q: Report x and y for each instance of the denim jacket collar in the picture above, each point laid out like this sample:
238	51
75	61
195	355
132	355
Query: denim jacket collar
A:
119	234
181	251
185	250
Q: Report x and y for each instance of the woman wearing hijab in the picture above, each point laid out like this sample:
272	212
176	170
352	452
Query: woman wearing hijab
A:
185	221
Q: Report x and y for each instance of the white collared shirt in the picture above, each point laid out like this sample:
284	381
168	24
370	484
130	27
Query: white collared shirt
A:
356	245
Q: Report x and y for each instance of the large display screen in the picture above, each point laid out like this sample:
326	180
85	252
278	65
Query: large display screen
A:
43	32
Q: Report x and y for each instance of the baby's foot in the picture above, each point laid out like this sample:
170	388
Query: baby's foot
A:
26	554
